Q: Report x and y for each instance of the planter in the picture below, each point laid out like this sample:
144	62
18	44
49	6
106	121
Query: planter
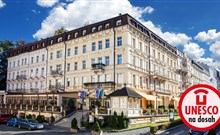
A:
73	130
97	133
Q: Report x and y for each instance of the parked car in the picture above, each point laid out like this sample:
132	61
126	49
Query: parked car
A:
30	124
195	132
5	117
13	122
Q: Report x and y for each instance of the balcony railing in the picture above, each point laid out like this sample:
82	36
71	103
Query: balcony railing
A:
159	75
17	91
93	85
56	72
56	87
98	67
21	77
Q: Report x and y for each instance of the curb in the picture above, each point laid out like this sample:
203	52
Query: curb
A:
162	131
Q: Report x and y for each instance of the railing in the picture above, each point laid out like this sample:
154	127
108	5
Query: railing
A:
56	72
56	87
21	77
17	91
159	75
98	67
92	85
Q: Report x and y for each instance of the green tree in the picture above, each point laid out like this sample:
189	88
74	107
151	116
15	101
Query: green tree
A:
74	123
60	31
96	127
5	46
114	123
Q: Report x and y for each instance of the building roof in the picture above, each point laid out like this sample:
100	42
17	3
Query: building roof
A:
125	91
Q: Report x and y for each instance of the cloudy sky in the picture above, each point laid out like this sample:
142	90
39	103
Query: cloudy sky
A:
191	25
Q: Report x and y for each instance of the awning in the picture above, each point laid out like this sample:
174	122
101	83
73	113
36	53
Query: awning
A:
176	99
148	97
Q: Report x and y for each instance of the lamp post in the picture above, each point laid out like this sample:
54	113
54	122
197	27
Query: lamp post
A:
156	100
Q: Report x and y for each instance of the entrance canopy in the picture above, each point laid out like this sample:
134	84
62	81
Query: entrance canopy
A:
148	97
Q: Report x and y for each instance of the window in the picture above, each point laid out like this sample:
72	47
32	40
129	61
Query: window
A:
14	64
118	22
92	61
18	62
76	50
68	82
140	46
42	71
146	49
32	60
100	27
107	61
59	54
59	39
141	63
51	56
31	72
141	82
68	37
134	60
84	32
107	26
51	42
51	68
68	67
119	78
25	61
68	52
119	60
133	42
119	41
84	48
92	78
100	45
43	57
154	53
75	80
93	46
37	59
134	80
22	62
99	59
93	29
75	65
83	64
59	67
107	44
36	71
76	34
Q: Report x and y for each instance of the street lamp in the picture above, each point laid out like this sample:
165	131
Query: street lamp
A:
156	100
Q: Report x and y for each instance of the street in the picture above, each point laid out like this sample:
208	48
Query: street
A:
180	130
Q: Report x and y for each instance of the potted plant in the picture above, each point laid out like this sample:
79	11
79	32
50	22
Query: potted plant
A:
96	130
74	126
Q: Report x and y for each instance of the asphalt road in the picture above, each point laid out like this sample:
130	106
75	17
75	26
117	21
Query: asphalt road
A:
180	130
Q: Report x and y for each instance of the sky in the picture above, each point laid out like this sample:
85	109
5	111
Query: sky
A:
193	26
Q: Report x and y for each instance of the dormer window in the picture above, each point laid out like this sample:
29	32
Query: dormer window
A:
37	45
60	39
100	27
118	22
93	29
107	26
43	44
76	34
84	32
68	37
32	47
51	42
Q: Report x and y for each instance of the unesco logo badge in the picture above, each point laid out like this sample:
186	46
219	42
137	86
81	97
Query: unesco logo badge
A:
199	107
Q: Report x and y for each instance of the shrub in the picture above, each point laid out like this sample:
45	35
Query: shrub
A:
166	110
114	123
147	111
161	107
96	127
176	110
150	106
40	118
153	129
171	110
171	106
74	124
121	121
153	110
160	111
29	116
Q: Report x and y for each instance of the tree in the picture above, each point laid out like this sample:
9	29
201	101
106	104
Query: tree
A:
74	123
114	123
71	104
20	43
5	46
60	31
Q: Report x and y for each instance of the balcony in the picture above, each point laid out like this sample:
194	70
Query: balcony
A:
94	85
56	73
182	69
56	87
159	75
98	67
21	77
17	91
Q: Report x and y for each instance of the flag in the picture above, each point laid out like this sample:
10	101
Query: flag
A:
97	93
83	94
79	94
100	93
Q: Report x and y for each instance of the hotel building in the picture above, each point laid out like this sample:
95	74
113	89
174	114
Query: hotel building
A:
42	76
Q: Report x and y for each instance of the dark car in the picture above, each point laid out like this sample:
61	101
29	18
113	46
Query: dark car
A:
195	132
5	117
13	122
29	124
